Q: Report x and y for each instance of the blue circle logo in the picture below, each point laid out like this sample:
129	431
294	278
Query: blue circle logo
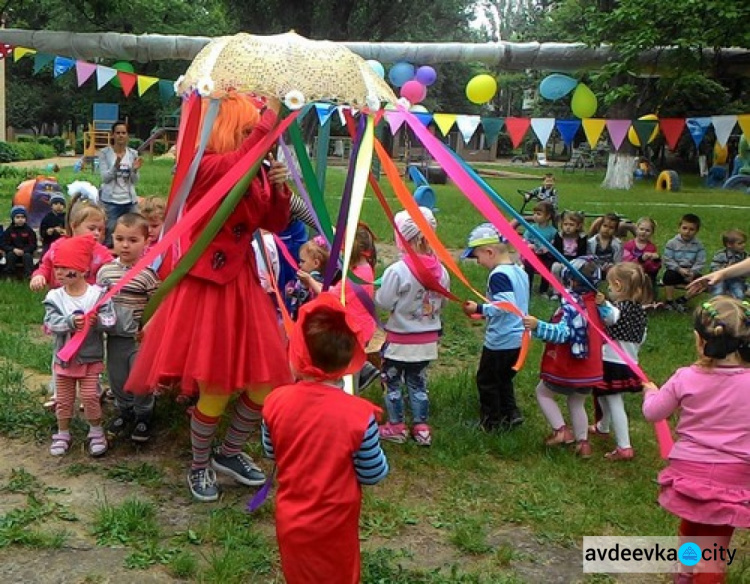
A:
689	554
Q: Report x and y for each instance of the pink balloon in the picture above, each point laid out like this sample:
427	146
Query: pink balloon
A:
414	91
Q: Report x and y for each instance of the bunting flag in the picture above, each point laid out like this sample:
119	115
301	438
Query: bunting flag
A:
723	126
568	130
424	117
644	129
127	81
61	66
21	52
543	129
41	60
324	112
672	129
145	83
395	119
467	125
84	71
6	50
166	90
698	128
744	122
492	127
593	128
517	128
617	129
104	75
444	122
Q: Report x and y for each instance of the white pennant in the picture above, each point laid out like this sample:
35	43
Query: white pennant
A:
467	125
543	129
723	126
104	75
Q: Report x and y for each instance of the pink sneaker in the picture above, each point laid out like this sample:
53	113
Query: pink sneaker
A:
394	432
422	434
560	436
595	431
583	449
620	454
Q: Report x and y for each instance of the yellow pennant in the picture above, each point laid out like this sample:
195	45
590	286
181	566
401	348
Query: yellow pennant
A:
444	122
744	122
144	83
21	52
593	128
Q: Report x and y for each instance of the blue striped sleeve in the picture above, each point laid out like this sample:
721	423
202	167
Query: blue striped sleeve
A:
370	463
553	333
266	439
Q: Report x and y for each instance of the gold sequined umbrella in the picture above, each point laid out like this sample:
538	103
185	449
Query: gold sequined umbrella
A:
289	67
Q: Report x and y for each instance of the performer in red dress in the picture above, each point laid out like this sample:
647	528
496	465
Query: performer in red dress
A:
216	333
326	445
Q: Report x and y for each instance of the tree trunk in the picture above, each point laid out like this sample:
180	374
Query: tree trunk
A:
619	171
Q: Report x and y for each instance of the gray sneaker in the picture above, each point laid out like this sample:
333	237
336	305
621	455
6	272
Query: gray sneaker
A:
240	467
202	483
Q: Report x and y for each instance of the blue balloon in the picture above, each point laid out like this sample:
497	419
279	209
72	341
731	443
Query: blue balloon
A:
556	86
377	67
400	73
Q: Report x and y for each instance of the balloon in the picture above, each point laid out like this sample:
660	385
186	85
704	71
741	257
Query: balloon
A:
584	102
400	73
556	86
414	91
633	137
481	89
377	66
121	66
426	75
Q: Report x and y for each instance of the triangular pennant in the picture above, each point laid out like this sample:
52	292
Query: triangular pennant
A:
166	90
467	125
104	75
145	83
324	112
340	110
568	129
127	81
698	128
424	117
723	126
41	60
543	129
61	66
84	71
617	130
744	121
517	128
395	120
492	127
672	129
304	111
593	128
444	122
5	50
21	52
644	129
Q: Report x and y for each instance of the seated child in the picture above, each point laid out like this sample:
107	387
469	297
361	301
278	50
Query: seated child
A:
52	226
19	243
604	245
571	241
684	260
543	223
642	250
325	443
734	252
546	192
313	259
412	331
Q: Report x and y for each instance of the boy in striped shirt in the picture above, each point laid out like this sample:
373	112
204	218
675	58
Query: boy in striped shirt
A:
129	238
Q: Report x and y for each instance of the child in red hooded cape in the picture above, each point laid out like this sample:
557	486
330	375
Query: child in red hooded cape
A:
326	446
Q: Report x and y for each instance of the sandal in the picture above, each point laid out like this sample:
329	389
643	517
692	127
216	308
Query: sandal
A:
60	444
97	444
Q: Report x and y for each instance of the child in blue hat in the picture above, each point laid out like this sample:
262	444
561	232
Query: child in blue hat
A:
19	243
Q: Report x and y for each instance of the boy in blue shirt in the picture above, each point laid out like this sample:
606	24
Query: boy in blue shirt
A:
507	282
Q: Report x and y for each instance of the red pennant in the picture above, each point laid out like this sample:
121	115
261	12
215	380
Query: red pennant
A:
672	129
6	50
517	128
128	81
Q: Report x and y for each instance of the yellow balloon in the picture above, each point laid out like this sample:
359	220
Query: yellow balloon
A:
633	137
481	89
584	102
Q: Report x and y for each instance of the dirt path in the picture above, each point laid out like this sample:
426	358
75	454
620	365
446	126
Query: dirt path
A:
61	161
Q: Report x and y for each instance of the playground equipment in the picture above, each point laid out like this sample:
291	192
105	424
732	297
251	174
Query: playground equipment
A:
668	180
423	194
100	130
34	194
165	134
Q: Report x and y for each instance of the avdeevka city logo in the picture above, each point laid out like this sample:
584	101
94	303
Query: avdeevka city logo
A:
689	554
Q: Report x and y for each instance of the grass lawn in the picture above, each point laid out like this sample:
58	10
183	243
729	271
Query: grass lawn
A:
474	508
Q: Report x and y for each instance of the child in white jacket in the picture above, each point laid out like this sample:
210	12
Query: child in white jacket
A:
413	329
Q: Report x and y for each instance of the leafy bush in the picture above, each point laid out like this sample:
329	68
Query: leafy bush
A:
58	143
44	140
24	138
7	152
159	148
135	143
79	146
11	172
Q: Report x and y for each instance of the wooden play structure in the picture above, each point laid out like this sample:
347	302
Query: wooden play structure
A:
99	133
165	134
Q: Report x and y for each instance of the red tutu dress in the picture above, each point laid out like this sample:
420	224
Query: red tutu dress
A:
218	326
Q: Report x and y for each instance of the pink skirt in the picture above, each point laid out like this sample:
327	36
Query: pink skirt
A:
710	493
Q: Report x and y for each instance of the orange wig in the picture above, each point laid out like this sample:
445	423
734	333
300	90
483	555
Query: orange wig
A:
237	115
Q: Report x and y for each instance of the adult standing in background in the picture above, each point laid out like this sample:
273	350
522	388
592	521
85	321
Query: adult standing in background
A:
119	166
